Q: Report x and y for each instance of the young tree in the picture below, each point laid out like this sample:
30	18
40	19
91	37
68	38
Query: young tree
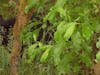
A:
21	20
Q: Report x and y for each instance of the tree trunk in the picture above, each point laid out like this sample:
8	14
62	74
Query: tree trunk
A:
21	20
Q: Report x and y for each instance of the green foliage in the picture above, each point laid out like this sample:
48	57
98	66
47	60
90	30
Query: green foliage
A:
98	46
69	31
98	43
36	3
73	25
87	32
98	56
59	38
30	4
45	54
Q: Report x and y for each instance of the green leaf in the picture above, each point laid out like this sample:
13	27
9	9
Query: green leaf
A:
45	55
61	28
69	30
60	3
35	34
30	4
61	11
98	56
57	53
76	40
58	49
50	16
32	51
87	32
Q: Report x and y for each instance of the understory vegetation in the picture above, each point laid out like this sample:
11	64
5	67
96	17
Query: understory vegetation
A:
62	37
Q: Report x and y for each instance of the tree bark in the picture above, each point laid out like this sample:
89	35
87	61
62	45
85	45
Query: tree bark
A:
21	20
